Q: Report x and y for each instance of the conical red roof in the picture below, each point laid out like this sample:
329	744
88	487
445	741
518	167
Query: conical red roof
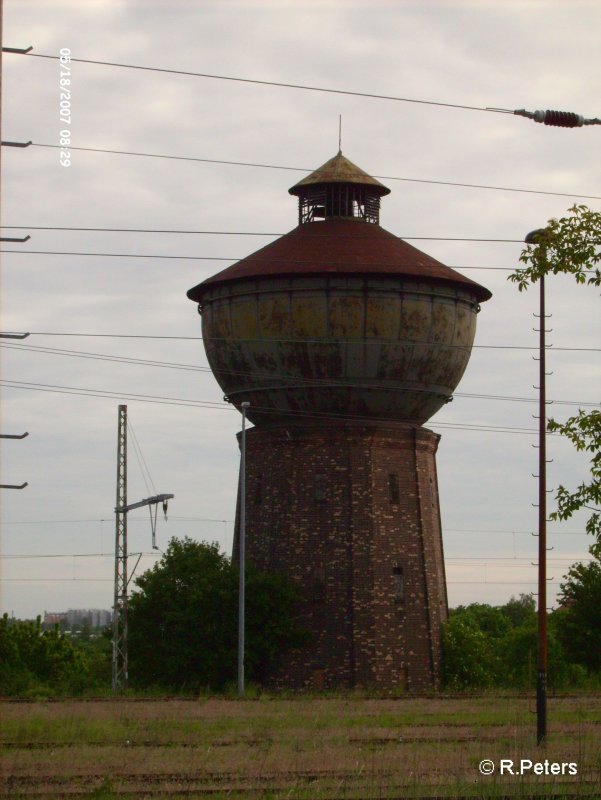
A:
340	246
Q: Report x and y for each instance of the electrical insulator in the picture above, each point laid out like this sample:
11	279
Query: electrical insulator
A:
562	119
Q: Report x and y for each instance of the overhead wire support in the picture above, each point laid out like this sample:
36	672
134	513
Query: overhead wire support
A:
16	144
150	502
120	654
120	672
17	486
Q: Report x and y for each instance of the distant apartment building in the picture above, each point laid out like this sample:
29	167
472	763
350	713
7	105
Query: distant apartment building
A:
78	617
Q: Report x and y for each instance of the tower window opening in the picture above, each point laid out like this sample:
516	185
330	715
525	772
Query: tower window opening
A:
394	493
320	489
319	583
258	493
399	585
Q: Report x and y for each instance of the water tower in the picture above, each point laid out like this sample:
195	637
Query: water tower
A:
345	339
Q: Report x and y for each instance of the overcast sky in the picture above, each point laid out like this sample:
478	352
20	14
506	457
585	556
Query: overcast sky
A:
506	54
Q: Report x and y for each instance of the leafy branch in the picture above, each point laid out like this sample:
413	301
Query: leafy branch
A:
584	431
570	245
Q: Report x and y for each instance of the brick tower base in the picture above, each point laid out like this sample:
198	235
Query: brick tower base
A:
350	513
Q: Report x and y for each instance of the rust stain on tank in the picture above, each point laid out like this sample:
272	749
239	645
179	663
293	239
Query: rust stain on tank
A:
345	317
339	345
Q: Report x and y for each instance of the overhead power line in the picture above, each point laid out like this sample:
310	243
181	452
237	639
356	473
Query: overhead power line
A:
560	118
69	555
305	341
245	233
481	561
205	258
308	382
110	580
478	531
157	256
131	519
85	392
310	169
278	84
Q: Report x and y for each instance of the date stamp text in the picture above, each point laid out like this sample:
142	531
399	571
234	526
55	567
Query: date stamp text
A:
65	106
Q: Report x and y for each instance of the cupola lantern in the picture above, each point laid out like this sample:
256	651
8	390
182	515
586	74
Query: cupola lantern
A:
339	188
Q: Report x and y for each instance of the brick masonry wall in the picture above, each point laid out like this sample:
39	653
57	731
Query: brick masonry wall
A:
351	514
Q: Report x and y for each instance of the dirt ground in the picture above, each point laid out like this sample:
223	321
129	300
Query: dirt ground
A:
307	747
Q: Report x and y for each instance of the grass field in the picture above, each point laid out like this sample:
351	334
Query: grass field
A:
309	748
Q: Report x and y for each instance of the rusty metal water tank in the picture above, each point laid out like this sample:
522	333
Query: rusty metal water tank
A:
339	316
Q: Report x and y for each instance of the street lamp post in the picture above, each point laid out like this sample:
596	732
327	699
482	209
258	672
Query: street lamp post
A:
242	547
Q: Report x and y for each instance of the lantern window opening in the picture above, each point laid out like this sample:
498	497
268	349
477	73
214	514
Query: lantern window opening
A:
338	200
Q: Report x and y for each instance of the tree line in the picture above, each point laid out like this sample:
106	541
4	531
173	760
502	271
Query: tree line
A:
183	635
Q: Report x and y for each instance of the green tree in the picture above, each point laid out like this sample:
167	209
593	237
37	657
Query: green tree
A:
467	654
183	620
578	619
520	611
32	658
487	646
472	648
572	245
97	650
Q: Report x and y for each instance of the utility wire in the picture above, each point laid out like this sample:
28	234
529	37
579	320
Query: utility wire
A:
255	233
560	118
296	341
307	170
307	382
279	84
248	233
146	476
69	555
478	531
315	262
481	562
83	392
131	518
111	580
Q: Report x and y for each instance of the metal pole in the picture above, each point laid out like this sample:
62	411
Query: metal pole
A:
541	677
120	666
541	672
242	545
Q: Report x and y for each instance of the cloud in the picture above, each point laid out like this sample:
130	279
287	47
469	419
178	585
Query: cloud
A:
511	55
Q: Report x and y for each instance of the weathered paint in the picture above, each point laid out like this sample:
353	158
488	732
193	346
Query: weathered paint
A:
370	346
